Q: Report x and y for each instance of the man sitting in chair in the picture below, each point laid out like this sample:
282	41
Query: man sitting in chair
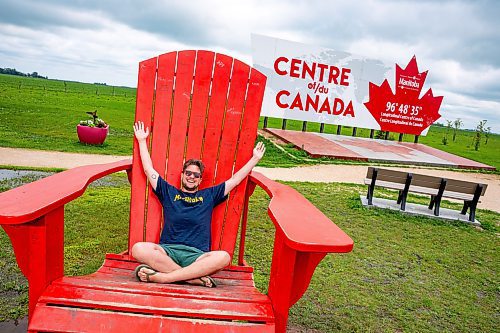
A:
183	253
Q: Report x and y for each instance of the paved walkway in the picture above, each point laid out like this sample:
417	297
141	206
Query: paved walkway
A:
316	173
373	150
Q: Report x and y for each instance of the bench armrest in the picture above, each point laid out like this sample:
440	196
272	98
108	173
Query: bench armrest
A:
31	201
304	226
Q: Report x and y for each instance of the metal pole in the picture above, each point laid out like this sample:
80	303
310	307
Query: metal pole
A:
283	124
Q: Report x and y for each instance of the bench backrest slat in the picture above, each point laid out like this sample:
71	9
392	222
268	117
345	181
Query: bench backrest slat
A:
461	186
452	185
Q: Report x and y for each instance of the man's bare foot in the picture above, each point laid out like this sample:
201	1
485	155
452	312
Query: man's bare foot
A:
205	281
144	273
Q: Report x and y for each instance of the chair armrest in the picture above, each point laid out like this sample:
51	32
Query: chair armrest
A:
304	226
304	235
31	201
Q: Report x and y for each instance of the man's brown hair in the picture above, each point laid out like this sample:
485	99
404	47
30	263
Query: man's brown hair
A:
196	162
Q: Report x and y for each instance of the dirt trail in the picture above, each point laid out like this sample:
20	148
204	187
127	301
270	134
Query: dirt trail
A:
317	173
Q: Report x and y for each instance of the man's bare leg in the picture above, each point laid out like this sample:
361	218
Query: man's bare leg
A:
155	256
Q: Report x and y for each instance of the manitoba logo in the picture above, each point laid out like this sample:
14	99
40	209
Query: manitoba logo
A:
404	111
410	83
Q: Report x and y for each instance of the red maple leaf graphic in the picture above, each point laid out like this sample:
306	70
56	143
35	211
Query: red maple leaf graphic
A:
404	111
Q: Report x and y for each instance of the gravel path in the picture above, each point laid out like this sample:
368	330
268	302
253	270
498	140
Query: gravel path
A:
317	173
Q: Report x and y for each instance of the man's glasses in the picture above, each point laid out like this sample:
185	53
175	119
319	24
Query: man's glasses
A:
192	173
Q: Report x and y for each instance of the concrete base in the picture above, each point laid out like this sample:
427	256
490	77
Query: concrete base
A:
373	150
415	209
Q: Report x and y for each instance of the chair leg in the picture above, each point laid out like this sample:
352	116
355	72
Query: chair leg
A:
472	214
473	203
439	196
431	204
404	193
465	208
371	187
436	208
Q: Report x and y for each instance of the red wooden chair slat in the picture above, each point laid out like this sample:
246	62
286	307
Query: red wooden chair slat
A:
215	116
180	114
156	304
201	90
246	143
161	127
229	140
92	321
144	104
242	294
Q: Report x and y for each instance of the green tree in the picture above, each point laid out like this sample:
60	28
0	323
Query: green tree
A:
449	124
457	124
487	134
480	130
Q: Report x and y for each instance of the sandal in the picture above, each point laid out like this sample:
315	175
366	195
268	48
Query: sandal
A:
208	282
138	269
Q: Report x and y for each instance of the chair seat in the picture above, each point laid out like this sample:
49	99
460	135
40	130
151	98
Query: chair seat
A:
113	300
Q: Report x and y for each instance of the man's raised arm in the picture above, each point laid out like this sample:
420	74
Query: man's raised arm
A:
258	152
141	134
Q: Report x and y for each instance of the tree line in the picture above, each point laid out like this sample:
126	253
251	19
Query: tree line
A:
13	71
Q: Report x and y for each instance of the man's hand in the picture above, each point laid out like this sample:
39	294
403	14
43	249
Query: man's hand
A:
259	151
141	135
139	131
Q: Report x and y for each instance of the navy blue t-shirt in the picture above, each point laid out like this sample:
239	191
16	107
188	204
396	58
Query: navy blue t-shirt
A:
188	216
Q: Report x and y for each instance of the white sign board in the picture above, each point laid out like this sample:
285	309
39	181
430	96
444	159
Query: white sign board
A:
316	84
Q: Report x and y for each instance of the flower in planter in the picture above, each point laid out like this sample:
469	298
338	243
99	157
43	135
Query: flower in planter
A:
94	122
92	131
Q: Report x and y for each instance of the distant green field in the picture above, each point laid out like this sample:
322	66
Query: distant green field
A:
42	114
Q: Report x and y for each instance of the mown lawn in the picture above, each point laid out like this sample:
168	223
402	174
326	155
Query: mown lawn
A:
405	274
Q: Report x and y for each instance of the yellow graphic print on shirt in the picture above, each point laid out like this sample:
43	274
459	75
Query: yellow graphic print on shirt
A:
188	199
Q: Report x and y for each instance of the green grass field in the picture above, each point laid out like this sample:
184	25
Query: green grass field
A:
42	114
405	274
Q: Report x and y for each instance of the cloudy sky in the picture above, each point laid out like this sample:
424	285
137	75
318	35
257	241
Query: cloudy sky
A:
103	40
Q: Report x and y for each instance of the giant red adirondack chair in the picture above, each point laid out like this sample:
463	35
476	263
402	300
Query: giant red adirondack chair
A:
198	104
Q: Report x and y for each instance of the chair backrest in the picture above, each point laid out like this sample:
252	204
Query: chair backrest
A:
197	104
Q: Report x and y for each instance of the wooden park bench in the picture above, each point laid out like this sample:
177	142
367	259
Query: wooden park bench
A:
197	104
436	187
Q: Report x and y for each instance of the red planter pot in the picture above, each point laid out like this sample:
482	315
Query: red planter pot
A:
92	135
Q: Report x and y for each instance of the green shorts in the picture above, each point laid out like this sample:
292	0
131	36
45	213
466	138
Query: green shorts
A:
182	255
